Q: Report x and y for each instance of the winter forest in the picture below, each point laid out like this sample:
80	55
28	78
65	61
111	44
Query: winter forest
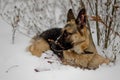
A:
26	18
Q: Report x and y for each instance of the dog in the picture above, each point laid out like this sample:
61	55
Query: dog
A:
72	43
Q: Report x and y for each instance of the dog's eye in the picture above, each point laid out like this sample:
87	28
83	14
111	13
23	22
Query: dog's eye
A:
67	33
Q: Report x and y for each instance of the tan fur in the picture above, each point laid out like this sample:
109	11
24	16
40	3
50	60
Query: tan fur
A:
97	60
89	61
80	42
72	26
38	47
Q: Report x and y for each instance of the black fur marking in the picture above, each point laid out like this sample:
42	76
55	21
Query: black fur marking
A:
57	40
52	34
61	44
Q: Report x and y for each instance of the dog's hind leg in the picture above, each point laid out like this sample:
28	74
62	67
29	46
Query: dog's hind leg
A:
38	47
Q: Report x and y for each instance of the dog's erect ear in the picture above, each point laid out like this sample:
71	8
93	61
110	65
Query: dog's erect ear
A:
70	15
81	18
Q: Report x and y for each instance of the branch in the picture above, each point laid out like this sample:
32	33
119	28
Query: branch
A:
72	7
91	6
98	18
10	68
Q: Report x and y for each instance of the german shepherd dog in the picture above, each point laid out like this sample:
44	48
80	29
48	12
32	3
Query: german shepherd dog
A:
74	36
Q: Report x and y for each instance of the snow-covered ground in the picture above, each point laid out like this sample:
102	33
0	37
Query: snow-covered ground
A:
18	64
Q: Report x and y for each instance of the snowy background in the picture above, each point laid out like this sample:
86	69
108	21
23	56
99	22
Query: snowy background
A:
16	63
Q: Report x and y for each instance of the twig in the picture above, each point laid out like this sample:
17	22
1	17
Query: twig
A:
72	7
98	18
90	6
41	70
23	33
14	66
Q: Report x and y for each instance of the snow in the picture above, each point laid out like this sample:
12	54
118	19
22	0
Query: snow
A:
16	63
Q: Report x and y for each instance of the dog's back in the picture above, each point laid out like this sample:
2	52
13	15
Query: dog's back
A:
52	34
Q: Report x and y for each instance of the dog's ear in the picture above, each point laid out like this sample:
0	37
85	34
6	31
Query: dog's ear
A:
81	18
70	15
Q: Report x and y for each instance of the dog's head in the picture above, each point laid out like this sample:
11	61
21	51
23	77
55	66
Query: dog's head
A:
74	29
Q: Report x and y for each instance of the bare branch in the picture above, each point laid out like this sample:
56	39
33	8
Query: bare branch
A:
98	18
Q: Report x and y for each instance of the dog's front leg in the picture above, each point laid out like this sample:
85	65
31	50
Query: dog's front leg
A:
78	49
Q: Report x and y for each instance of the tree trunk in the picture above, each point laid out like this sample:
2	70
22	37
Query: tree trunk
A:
109	27
97	24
